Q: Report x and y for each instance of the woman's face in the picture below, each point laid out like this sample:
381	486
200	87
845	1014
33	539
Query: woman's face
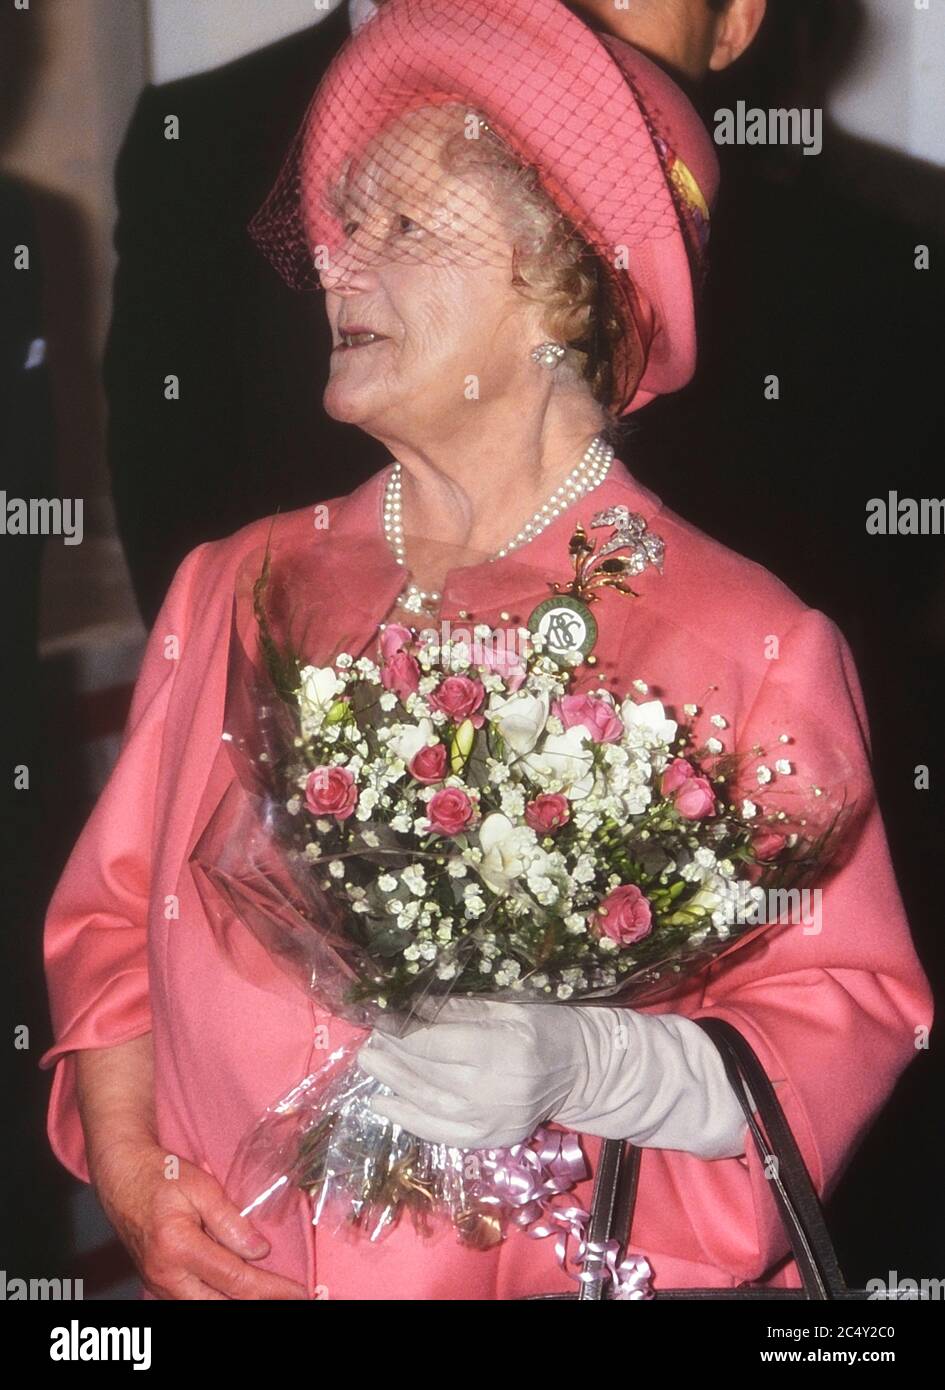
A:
426	267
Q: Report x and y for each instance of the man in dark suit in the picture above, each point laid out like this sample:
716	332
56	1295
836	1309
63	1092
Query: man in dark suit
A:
27	470
243	431
194	299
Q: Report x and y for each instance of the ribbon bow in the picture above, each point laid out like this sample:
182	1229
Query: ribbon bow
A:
522	1183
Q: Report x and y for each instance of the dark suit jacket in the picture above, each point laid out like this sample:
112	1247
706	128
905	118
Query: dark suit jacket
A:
195	298
27	469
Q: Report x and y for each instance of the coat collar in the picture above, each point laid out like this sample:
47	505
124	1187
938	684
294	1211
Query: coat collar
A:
372	583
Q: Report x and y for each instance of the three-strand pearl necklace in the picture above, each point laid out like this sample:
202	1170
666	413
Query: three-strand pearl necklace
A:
584	478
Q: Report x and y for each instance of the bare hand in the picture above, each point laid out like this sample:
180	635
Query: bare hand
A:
187	1238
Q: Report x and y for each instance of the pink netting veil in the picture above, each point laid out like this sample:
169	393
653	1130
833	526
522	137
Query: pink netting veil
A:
509	135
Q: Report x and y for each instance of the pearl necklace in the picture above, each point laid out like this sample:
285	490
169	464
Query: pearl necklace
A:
584	478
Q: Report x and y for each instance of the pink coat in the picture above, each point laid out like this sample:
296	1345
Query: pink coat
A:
834	1015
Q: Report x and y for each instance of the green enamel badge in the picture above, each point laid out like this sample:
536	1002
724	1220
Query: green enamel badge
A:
567	626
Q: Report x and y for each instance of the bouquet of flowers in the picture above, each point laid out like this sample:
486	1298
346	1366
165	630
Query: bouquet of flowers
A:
450	817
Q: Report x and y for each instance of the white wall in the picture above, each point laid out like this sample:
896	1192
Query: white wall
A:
895	93
191	35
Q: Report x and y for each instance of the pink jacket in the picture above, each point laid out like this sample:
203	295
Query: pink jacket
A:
834	1015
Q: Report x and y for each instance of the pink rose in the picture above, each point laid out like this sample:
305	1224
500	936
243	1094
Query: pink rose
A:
598	716
678	773
767	844
459	697
331	791
401	674
549	811
500	660
695	799
429	764
624	915
393	637
450	811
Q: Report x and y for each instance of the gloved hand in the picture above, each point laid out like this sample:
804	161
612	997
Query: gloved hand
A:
486	1074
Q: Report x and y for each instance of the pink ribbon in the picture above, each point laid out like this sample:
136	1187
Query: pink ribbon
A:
523	1182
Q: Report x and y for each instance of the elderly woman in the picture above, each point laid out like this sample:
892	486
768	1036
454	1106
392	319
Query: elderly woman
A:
508	216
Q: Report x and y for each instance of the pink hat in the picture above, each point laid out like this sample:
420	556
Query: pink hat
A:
617	147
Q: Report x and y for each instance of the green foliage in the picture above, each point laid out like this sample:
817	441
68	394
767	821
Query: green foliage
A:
283	663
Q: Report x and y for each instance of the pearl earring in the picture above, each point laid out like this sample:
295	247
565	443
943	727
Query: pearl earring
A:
548	354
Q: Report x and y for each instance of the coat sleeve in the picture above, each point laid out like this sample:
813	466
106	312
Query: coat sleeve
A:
835	1008
95	935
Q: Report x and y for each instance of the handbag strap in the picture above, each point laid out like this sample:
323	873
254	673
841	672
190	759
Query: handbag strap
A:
801	1211
608	1214
618	1171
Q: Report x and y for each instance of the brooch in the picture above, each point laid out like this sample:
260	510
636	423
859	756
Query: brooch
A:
565	620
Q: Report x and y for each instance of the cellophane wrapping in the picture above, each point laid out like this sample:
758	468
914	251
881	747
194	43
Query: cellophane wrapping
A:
303	878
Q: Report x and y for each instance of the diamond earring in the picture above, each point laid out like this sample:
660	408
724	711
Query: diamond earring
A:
548	354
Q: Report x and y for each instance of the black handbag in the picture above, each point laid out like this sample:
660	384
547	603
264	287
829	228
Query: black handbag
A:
618	1170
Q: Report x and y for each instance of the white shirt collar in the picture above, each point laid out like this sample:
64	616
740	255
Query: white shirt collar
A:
359	12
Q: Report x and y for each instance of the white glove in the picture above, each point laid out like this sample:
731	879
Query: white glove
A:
486	1074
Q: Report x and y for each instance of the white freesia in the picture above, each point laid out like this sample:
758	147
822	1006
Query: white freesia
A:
407	739
647	722
506	850
705	898
520	719
566	761
320	686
